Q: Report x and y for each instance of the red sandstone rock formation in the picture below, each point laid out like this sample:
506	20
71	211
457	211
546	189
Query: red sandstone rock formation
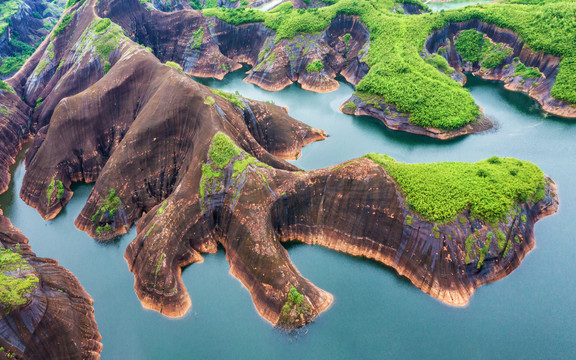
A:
58	322
143	132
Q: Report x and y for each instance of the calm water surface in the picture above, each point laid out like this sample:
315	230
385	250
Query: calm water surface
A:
376	314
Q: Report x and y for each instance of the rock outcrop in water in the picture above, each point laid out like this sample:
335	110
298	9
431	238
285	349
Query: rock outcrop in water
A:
538	87
202	168
58	322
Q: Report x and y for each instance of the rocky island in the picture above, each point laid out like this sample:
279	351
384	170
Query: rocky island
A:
107	99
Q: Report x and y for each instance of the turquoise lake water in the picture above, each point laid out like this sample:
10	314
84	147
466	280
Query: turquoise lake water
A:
376	314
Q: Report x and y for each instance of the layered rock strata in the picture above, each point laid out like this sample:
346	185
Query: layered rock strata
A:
58	321
202	168
209	47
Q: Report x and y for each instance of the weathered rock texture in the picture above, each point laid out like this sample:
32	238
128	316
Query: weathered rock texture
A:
222	47
14	130
146	134
58	322
538	89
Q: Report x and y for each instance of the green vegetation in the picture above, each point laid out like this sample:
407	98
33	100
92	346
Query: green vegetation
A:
221	152
14	289
294	300
507	250
38	103
470	240
474	46
268	61
233	98
71	3
7	9
409	220
524	71
22	52
158	265
162	207
150	230
440	63
439	192
6	87
501	240
469	45
350	106
108	207
209	100
102	25
59	186
398	74
347	38
196	40
315	66
63	24
102	40
496	56
484	250
174	65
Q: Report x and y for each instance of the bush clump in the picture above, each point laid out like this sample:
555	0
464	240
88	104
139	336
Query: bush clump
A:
439	192
314	66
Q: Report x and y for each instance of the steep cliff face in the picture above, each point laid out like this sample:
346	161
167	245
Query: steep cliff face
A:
201	167
58	321
14	130
508	70
209	47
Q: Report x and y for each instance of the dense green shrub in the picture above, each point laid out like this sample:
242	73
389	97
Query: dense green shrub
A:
441	191
494	58
22	52
469	45
440	63
174	65
6	87
71	3
102	25
350	106
14	289
314	66
524	71
234	99
63	24
294	300
109	206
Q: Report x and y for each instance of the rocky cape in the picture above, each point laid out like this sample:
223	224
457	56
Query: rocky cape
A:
58	322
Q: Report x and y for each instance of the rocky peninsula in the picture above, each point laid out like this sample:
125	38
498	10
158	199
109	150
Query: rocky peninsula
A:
196	168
